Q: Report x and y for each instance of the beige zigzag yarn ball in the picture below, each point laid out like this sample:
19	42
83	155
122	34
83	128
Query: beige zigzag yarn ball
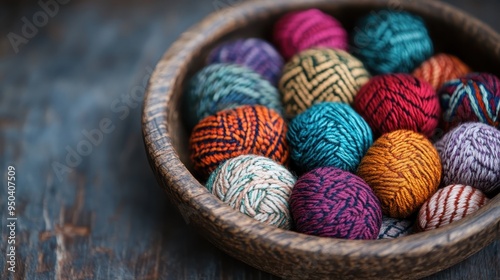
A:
319	75
448	205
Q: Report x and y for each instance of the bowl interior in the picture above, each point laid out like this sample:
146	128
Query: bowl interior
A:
447	36
287	253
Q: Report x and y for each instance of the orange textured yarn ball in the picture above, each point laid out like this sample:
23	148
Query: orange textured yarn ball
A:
441	68
243	130
404	170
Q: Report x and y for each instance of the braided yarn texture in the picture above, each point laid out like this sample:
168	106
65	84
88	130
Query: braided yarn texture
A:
298	31
448	205
328	134
256	186
224	86
391	42
319	75
403	169
330	202
240	131
471	156
398	101
393	228
473	97
441	68
254	53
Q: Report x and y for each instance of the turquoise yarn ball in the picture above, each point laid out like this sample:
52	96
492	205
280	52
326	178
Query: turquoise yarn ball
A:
221	86
328	134
391	42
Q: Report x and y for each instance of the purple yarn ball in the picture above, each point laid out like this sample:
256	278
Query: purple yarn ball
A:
393	228
253	53
330	202
470	155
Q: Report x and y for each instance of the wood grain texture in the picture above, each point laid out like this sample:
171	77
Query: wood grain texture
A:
107	218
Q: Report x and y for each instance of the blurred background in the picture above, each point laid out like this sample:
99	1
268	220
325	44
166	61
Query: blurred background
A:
72	79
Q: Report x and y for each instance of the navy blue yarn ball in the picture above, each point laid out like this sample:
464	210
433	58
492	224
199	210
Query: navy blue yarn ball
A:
391	42
328	134
218	87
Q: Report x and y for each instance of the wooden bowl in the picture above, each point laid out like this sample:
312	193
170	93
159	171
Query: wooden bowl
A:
285	253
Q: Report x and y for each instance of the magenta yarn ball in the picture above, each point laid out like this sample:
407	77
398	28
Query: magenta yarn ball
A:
298	31
330	202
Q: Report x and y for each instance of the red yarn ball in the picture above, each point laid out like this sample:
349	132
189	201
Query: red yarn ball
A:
298	31
398	101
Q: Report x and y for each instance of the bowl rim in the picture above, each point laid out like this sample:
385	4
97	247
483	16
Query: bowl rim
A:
190	194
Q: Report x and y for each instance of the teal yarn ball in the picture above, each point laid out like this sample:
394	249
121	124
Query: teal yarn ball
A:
391	42
328	134
257	187
221	86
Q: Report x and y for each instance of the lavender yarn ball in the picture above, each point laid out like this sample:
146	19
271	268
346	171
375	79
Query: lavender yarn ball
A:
253	53
330	202
393	228
470	155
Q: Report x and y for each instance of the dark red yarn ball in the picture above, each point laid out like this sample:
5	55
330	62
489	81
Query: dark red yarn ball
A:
398	101
330	202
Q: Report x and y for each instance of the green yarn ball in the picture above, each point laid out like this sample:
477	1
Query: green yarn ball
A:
328	134
256	186
221	86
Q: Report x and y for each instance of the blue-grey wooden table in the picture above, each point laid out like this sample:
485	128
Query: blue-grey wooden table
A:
72	77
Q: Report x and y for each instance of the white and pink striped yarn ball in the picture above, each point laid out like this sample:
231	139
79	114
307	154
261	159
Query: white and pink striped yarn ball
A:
448	205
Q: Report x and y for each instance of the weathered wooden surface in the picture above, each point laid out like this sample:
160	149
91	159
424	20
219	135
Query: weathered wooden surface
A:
105	217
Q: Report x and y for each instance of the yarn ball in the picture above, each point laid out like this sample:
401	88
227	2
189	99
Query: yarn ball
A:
473	97
240	131
391	42
448	205
470	154
256	186
404	170
256	54
330	202
298	31
319	75
441	68
393	228
398	101
224	86
328	134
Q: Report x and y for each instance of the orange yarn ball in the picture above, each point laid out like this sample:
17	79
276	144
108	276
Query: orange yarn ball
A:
404	170
244	130
441	68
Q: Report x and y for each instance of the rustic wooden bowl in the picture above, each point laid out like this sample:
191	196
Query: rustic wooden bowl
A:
285	253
